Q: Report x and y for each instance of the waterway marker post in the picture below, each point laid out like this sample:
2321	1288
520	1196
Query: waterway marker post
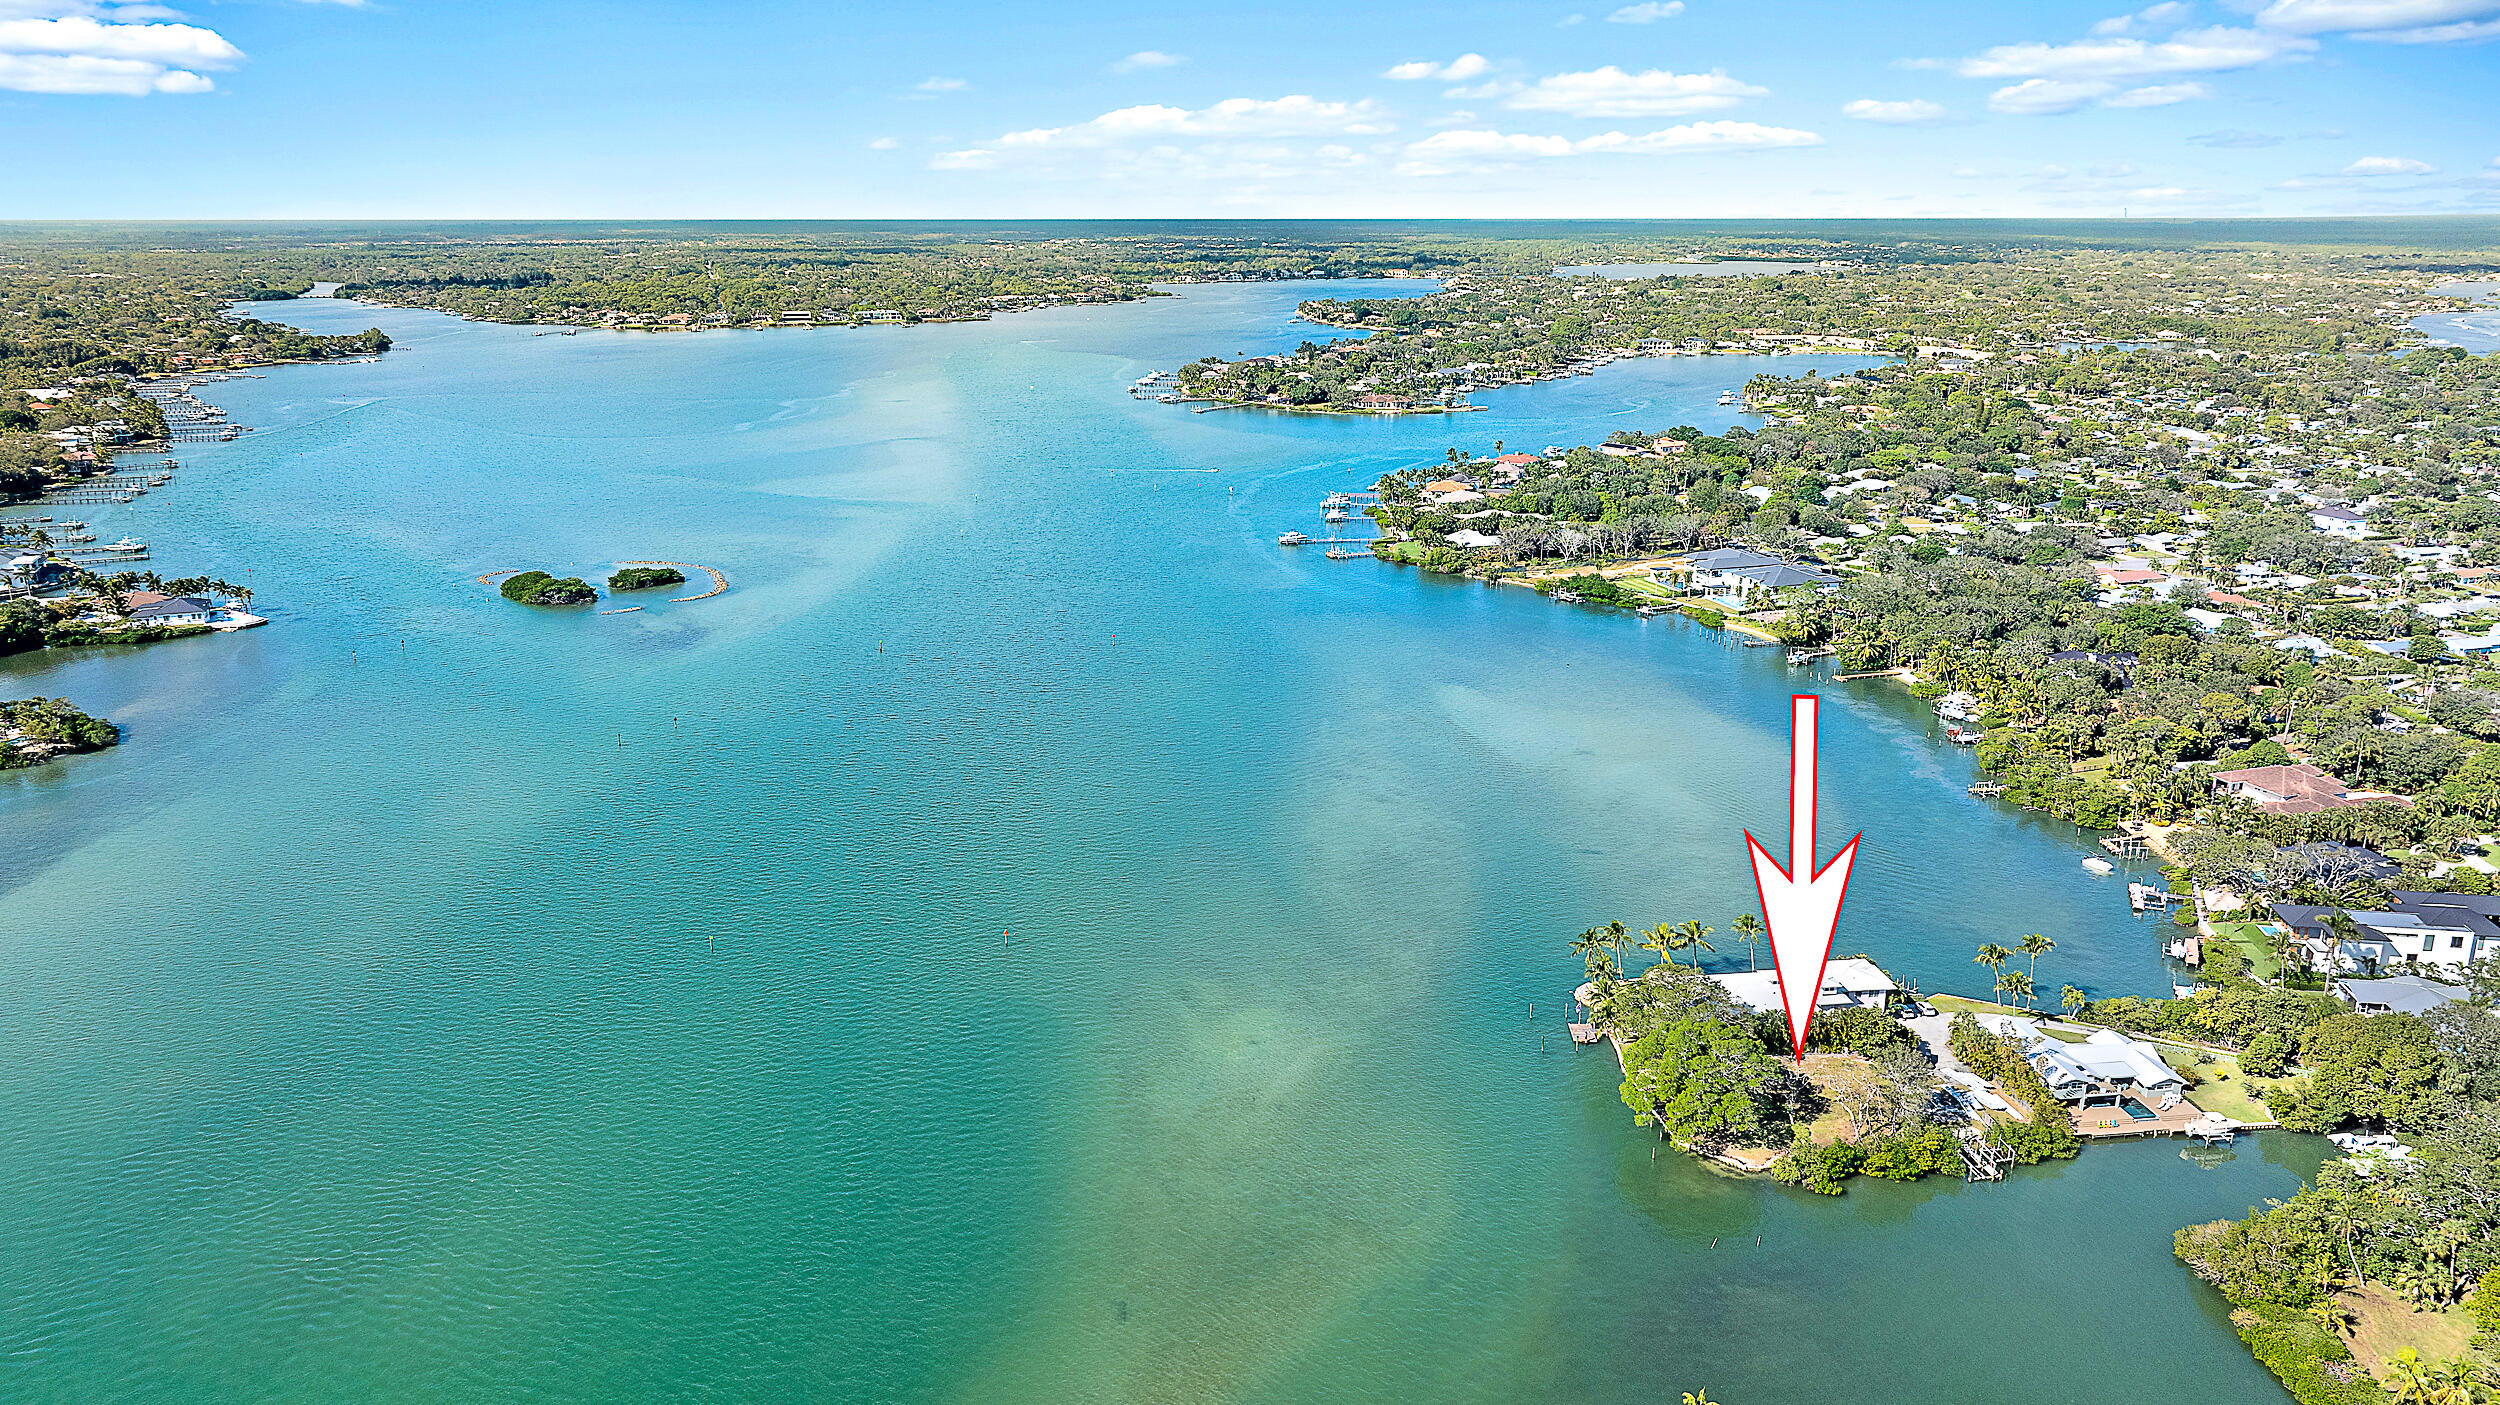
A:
1801	905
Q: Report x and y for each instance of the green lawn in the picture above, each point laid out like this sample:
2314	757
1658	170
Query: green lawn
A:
2252	943
2225	1089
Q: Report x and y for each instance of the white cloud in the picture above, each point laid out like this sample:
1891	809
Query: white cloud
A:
2039	97
938	85
2150	17
883	144
1464	66
1148	58
2158	95
2372	16
2464	32
2089	60
1611	92
1443	151
1903	113
2389	166
1647	12
44	50
1233	117
971	159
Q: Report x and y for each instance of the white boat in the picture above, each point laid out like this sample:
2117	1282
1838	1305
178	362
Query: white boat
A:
2100	866
1727	397
1293	539
126	544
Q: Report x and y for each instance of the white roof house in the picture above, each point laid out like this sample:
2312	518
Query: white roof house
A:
1851	980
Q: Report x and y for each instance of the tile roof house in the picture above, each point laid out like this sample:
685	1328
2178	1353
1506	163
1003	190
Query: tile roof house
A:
2294	790
179	609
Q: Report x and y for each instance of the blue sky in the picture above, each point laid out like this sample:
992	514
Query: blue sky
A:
1668	108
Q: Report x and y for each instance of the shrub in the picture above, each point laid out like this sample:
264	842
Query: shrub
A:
1906	1156
1820	1169
2297	1351
646	577
539	588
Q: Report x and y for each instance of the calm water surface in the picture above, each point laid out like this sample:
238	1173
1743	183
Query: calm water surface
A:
440	1000
2477	329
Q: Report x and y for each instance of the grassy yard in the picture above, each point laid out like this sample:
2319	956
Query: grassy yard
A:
2225	1089
2252	944
2388	1324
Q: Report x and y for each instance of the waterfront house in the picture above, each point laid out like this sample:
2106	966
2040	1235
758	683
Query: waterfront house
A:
1847	981
2105	1068
1742	580
178	609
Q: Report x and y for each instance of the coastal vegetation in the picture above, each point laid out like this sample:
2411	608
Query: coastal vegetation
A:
540	588
34	730
646	577
1710	1074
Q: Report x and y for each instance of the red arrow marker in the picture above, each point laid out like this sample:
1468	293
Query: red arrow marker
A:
1801	912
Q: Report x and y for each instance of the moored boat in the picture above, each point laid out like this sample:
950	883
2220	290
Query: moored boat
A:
1293	539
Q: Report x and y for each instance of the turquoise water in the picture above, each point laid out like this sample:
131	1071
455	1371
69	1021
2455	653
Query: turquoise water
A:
2476	329
439	1000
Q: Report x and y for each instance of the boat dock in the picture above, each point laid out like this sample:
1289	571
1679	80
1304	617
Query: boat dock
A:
2144	897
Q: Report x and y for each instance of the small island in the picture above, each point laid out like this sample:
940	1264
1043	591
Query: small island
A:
34	730
539	588
646	578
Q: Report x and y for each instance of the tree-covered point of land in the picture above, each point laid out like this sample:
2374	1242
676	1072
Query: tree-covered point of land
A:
34	730
540	588
646	578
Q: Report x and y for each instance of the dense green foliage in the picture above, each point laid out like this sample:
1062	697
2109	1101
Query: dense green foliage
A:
540	588
33	730
646	577
2298	1351
2050	1132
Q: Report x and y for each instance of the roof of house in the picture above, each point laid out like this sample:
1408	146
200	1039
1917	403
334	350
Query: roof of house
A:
1780	575
1729	558
2336	513
1844	982
174	605
2300	789
2411	995
2104	1056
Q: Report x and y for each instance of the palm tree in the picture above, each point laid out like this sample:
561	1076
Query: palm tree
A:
2332	1316
1617	938
2036	946
2073	1001
1994	958
1690	935
1588	945
2409	1380
2018	985
1748	928
1660	940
